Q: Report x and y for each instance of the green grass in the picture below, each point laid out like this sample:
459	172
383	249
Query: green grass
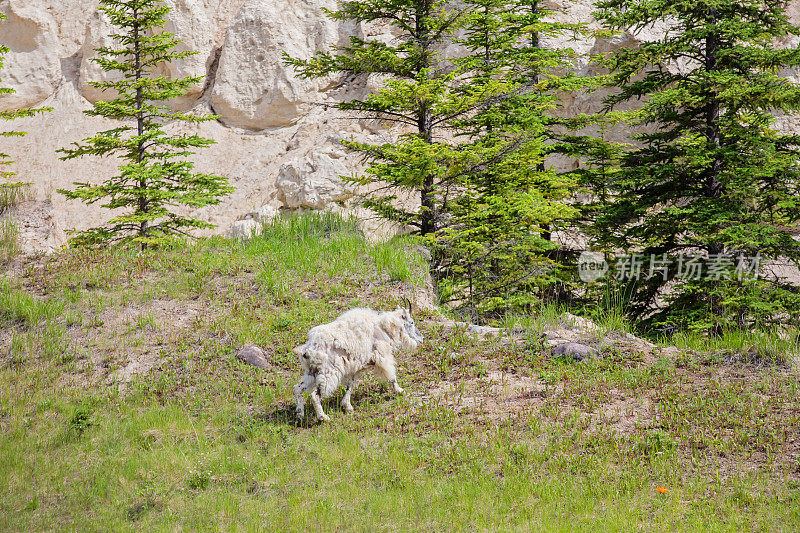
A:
203	442
546	316
18	306
752	346
550	316
12	194
9	239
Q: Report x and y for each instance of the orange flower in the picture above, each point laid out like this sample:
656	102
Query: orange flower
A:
662	490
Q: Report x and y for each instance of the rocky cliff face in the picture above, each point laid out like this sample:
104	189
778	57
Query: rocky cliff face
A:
277	139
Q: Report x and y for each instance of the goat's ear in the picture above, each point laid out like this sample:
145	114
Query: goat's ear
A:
299	350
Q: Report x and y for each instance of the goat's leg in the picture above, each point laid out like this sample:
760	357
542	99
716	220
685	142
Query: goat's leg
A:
304	385
317	403
385	368
346	405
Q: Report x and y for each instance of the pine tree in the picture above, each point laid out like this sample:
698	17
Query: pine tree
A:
155	176
11	191
710	175
497	252
417	97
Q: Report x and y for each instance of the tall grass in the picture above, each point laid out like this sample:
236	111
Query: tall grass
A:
9	238
549	316
756	345
396	259
20	306
544	317
328	244
12	194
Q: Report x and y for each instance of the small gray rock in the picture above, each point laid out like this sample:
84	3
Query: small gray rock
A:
556	342
424	252
253	355
243	230
574	351
484	331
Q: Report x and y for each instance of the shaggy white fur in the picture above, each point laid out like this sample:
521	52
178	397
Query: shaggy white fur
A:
337	352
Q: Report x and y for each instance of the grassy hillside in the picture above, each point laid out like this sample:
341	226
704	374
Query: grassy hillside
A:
123	407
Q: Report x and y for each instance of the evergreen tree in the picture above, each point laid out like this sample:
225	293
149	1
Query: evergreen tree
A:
156	175
11	191
711	175
497	252
482	129
417	97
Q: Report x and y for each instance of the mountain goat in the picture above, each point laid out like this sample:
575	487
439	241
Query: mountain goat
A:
337	352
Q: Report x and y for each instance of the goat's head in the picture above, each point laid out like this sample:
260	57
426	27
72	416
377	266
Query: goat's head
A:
409	327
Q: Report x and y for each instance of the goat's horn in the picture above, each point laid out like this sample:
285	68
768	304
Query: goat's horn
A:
407	302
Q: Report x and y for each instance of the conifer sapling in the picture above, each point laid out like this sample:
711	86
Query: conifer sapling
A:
156	176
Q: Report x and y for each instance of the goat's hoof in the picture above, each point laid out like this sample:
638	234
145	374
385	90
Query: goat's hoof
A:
324	418
348	408
399	390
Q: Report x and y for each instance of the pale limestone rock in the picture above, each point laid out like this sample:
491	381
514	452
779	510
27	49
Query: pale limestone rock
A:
263	214
254	88
189	22
52	40
243	230
252	222
71	17
32	67
39	231
98	31
313	181
580	324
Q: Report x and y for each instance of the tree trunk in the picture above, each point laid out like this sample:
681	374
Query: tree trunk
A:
712	186
535	43
142	208
425	122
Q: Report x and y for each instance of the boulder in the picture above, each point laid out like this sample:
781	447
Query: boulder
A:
254	88
574	351
253	355
31	67
98	34
313	181
190	22
262	215
252	222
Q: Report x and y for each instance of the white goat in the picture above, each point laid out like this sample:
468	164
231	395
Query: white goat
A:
337	352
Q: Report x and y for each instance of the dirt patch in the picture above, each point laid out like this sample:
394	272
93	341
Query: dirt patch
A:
498	395
623	414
